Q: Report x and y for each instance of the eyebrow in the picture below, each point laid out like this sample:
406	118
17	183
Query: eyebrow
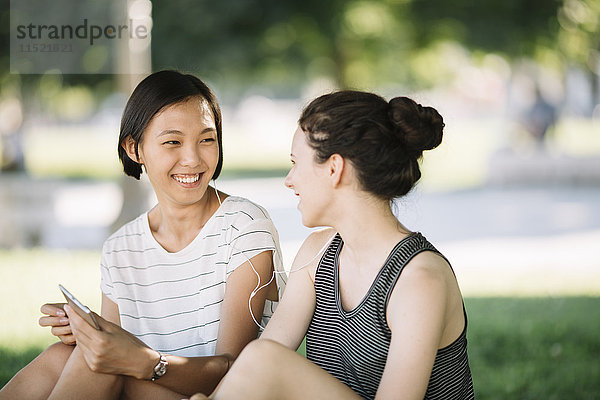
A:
177	132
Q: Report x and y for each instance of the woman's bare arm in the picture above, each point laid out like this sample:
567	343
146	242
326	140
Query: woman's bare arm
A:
294	313
418	313
115	351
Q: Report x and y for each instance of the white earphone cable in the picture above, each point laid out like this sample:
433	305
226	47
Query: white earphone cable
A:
258	286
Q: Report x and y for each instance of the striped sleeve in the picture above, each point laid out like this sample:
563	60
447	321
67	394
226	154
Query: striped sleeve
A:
106	283
254	238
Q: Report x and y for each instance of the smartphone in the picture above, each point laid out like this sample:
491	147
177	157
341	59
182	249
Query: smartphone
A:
83	311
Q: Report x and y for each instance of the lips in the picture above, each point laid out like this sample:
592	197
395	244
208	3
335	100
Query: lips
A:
187	178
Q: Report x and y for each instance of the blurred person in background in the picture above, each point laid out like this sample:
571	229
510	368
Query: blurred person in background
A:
11	137
539	117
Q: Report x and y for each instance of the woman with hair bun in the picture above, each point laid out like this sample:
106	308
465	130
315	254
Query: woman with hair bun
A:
380	307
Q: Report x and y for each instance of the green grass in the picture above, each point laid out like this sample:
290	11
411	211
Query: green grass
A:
13	360
31	278
519	348
535	348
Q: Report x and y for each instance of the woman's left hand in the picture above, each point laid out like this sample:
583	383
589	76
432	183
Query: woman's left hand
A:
112	350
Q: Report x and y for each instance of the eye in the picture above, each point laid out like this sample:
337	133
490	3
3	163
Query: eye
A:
208	140
172	142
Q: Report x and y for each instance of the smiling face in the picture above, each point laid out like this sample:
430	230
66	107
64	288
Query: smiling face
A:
308	180
179	152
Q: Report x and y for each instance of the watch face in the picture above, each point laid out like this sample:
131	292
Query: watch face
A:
161	368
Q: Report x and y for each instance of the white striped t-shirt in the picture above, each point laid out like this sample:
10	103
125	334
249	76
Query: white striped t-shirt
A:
172	301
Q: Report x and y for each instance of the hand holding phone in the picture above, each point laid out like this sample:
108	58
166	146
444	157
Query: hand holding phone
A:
54	317
82	310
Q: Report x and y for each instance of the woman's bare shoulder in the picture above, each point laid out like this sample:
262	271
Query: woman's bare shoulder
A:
312	249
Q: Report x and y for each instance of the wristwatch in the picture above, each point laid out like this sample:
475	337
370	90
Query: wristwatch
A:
161	367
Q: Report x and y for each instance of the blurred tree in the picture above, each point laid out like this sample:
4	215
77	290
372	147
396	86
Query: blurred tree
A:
238	43
53	95
511	27
29	84
358	43
282	45
556	33
579	38
354	43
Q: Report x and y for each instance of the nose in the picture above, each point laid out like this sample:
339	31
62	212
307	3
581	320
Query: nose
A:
288	180
190	156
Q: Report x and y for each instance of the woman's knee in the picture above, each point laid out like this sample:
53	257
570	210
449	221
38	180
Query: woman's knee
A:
256	371
258	357
59	349
37	379
261	349
53	359
56	355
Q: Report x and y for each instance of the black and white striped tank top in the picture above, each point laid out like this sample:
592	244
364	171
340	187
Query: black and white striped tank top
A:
353	345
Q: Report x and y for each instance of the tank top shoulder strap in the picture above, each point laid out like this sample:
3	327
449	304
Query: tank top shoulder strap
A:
327	262
399	257
325	272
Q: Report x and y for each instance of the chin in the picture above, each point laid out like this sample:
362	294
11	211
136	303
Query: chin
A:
309	223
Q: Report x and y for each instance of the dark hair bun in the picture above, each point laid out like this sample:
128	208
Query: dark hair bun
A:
383	140
420	128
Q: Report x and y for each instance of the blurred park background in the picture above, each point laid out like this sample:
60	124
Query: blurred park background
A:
512	196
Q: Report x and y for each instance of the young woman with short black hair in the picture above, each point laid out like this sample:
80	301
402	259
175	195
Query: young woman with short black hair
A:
177	281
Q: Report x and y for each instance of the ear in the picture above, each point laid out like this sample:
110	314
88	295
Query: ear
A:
336	166
128	144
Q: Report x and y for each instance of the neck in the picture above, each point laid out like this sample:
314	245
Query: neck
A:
174	227
369	230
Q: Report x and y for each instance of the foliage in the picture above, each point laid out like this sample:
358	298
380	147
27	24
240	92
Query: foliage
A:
359	43
281	46
511	27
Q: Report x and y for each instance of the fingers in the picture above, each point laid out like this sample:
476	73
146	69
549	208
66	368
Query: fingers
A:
68	340
198	396
53	309
64	333
61	330
57	319
53	321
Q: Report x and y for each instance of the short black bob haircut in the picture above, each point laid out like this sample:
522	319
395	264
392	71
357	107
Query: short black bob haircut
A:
151	95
